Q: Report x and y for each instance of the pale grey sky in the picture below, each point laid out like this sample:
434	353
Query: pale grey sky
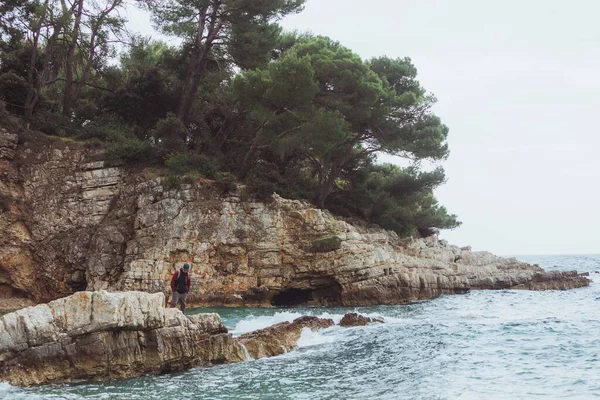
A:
518	83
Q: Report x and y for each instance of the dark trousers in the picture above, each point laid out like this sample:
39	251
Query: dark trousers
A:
179	298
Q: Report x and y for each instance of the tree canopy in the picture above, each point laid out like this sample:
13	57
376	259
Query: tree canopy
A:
296	114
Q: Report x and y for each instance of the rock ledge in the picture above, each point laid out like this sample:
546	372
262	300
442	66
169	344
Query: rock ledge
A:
97	336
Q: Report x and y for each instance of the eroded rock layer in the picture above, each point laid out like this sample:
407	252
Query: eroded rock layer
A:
96	336
70	223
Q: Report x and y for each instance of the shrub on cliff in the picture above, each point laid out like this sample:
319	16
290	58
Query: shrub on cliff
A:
170	134
7	120
134	151
262	182
225	182
183	163
395	198
108	129
327	244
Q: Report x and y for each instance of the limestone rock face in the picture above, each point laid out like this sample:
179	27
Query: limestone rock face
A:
354	319
76	224
96	336
280	338
100	336
8	144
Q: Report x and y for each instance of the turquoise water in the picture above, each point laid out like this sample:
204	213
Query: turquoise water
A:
481	345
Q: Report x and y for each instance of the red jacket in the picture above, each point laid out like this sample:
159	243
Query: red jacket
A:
174	278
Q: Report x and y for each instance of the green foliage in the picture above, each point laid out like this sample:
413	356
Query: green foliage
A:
12	13
326	244
251	43
7	120
225	182
262	182
205	165
145	85
107	129
400	199
170	134
183	163
238	100
13	88
134	151
217	32
178	164
338	109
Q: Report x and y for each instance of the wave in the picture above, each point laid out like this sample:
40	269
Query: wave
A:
7	391
309	338
251	322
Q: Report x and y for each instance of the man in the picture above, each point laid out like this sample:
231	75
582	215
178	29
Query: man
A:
180	286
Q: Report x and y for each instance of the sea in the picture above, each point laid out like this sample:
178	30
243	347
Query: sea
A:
505	344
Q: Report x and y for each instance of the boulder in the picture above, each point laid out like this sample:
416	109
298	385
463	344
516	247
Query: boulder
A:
354	319
280	338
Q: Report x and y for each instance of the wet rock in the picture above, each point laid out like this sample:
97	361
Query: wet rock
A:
553	280
101	335
280	338
98	336
354	319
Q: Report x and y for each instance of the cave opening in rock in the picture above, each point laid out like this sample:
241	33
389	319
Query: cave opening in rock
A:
329	294
292	297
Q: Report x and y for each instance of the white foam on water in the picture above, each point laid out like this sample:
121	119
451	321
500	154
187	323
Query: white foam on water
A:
246	353
252	323
325	315
309	338
595	277
5	389
10	392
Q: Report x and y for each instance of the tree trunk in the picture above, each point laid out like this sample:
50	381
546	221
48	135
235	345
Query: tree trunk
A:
206	33
325	189
69	86
190	85
96	28
29	99
86	69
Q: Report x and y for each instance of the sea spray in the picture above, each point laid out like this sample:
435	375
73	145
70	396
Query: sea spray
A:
246	353
252	323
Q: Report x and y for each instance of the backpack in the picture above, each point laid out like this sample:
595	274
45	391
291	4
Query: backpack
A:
181	282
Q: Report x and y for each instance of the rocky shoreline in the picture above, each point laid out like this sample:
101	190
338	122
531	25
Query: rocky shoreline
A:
99	244
73	224
98	336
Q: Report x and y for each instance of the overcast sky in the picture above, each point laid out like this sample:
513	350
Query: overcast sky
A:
518	84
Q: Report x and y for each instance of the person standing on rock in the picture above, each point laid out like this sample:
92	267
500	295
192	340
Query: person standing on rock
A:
180	286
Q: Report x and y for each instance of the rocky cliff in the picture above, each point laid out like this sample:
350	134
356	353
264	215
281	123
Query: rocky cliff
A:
97	336
70	222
